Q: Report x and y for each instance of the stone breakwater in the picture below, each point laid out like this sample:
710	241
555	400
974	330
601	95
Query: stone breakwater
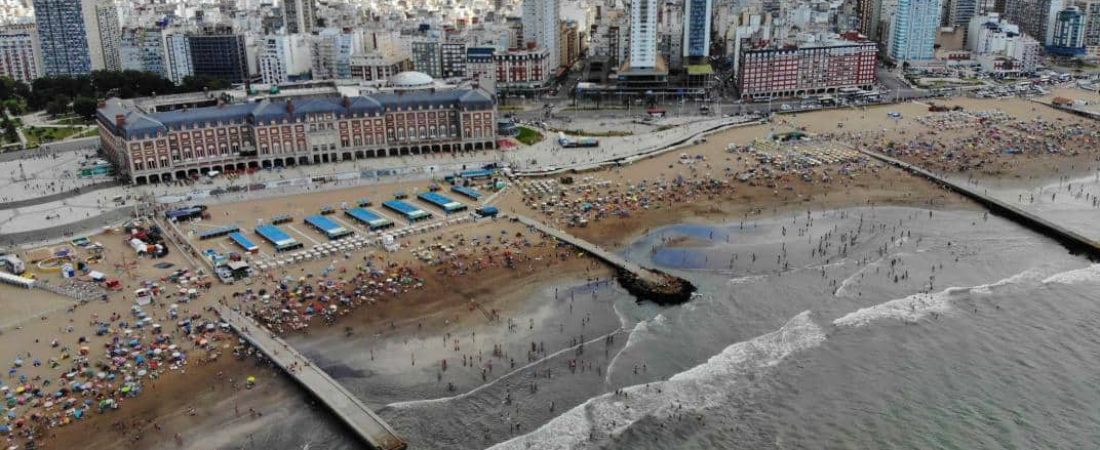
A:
670	291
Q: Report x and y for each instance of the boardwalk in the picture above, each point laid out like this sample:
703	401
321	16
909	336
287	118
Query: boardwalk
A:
342	403
594	250
1071	239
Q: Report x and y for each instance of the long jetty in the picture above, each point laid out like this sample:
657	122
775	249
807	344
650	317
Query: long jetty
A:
647	284
1072	240
357	416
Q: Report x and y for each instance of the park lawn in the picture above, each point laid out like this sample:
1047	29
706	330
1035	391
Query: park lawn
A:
37	136
528	136
74	120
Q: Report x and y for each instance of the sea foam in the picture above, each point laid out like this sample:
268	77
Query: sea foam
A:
690	391
1083	275
920	305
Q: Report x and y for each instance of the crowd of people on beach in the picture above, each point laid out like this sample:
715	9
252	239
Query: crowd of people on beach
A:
97	374
991	143
290	302
134	348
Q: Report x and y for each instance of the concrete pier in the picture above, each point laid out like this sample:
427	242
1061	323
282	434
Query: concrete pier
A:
1072	240
647	284
371	428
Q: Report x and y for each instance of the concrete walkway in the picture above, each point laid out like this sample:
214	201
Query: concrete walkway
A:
1069	238
593	249
371	428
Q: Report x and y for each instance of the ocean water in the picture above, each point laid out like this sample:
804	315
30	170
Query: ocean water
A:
874	328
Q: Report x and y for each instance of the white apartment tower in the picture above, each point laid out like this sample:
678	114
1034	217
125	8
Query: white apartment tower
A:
20	53
161	51
110	35
283	58
541	25
643	34
178	54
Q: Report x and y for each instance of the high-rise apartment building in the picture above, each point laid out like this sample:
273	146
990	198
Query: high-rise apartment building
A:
1091	10
78	36
299	16
426	57
331	51
1035	17
697	16
218	52
1068	37
541	26
110	35
283	58
177	47
913	31
1000	47
63	37
452	60
959	12
643	34
143	49
20	54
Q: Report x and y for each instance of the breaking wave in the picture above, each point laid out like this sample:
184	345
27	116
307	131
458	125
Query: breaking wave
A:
920	305
693	390
1083	275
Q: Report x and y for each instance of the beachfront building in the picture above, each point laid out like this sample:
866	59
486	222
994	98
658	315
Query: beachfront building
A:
413	115
913	31
697	14
645	69
542	29
818	66
522	70
1068	37
1035	17
1000	47
20	54
643	34
1091	10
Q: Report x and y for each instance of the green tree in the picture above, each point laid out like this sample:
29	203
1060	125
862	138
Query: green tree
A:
58	106
199	82
10	134
85	107
15	106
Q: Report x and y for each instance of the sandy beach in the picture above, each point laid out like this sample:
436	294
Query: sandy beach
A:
486	281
